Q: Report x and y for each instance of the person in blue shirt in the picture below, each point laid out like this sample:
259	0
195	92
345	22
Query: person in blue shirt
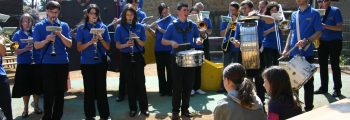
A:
54	69
162	52
26	82
232	53
179	32
93	61
130	38
310	29
248	11
5	94
199	6
330	47
271	51
140	16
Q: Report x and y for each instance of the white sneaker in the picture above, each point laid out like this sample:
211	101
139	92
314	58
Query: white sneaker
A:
201	92
192	92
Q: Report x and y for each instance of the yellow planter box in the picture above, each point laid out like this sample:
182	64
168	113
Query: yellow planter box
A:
211	75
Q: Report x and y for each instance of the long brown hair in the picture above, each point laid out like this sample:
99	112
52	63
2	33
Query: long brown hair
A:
128	7
236	73
98	14
280	86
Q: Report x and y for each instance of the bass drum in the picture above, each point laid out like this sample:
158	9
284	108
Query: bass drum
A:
150	46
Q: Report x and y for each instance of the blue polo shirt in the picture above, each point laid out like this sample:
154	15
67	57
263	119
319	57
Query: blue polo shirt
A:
175	32
310	22
84	36
270	40
140	15
40	34
260	31
26	57
122	35
2	70
334	17
223	26
164	25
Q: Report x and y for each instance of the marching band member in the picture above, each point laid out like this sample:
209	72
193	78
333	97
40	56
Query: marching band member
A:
162	52
241	102
5	93
94	63
198	71
140	16
26	80
232	53
330	46
200	7
270	54
247	8
310	29
54	59
130	38
179	32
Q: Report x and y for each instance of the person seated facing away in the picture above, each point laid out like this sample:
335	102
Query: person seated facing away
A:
282	104
241	102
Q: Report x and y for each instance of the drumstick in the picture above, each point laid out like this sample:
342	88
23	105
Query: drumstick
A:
184	44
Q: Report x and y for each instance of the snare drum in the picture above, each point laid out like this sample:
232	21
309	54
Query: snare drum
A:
299	71
189	58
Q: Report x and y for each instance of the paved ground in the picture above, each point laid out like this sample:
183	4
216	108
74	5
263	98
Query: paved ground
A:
160	107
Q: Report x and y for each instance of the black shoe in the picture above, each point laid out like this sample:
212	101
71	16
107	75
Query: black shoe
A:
186	114
320	91
336	94
119	99
38	111
146	113
90	118
175	116
25	115
132	113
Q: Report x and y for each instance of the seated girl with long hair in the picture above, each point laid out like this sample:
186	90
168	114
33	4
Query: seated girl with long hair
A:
241	102
283	104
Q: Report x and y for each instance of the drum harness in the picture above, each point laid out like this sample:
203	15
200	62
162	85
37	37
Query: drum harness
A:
183	32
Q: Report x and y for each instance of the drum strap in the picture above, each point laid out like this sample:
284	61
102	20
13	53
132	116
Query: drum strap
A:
298	32
278	39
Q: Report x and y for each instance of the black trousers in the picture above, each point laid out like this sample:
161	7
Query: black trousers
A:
258	81
163	60
198	78
122	84
182	85
330	50
270	57
54	87
94	76
206	49
135	79
5	97
309	89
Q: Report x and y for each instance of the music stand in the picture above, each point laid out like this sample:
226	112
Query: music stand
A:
3	17
8	30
